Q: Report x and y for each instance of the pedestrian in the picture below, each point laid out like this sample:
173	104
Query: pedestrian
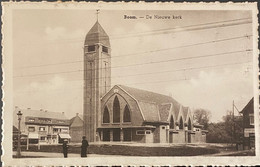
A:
84	147
65	148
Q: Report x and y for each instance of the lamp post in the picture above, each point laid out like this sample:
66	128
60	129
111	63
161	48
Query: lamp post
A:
19	114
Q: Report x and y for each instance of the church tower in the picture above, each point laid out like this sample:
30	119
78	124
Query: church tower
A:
97	78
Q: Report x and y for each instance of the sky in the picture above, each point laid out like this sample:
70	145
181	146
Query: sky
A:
150	54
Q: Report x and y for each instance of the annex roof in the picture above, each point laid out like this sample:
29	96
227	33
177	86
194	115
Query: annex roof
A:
97	35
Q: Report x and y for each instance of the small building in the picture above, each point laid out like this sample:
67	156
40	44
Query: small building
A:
76	128
248	126
43	127
130	114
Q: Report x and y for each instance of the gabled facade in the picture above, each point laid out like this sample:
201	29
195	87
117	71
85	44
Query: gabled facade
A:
124	113
76	128
130	114
248	125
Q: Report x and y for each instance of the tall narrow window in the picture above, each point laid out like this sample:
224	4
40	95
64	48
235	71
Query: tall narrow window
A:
189	125
106	116
171	123
127	117
181	124
116	111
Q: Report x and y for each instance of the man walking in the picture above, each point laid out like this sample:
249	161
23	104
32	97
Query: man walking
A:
65	148
84	147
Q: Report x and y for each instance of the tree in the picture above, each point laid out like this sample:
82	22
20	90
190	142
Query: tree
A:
202	117
227	131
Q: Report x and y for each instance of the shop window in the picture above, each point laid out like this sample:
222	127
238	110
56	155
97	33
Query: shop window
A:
127	117
116	111
31	129
106	116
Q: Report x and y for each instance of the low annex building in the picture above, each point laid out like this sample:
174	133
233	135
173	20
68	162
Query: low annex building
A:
130	114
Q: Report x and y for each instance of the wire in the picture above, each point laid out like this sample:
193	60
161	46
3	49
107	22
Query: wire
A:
138	64
133	54
192	68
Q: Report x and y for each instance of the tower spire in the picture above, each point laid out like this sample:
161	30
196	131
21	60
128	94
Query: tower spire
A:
97	13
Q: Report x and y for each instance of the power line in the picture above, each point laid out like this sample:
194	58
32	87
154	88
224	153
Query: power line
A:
137	83
137	64
175	29
140	53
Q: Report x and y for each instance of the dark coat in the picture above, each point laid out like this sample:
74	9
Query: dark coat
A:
65	149
84	148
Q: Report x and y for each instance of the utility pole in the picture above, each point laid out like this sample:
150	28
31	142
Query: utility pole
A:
233	123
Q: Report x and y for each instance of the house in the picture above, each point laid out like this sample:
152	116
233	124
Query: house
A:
248	125
76	128
42	126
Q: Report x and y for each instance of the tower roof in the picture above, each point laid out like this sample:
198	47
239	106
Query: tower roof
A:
97	35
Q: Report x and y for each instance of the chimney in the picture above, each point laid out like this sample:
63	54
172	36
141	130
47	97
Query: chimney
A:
77	114
63	113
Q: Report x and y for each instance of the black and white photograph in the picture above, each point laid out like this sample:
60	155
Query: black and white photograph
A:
89	82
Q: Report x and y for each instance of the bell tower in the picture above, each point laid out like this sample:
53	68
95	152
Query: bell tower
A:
97	78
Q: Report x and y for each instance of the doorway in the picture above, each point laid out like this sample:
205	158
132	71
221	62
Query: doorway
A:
116	134
106	135
127	134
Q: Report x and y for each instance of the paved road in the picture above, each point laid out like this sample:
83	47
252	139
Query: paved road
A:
56	155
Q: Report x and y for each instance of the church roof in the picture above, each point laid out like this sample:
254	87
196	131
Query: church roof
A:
148	100
97	35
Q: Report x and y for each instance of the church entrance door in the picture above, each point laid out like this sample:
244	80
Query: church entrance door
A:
189	137
127	134
106	135
116	134
170	138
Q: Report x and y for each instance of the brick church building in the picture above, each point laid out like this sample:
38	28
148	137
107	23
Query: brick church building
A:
123	113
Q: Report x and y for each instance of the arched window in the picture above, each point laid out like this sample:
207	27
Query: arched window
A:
181	124
189	125
127	117
171	123
116	111
106	116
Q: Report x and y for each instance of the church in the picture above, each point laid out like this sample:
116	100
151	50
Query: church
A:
126	114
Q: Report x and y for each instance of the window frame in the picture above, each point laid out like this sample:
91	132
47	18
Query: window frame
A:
140	131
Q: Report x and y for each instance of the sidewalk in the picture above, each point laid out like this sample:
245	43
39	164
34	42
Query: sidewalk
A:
57	155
